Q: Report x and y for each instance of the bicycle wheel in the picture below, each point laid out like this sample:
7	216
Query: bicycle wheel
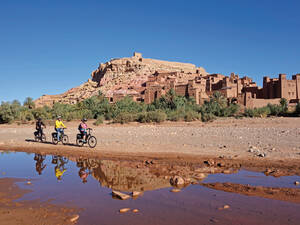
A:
43	139
65	139
92	141
79	142
65	160
54	140
36	138
92	163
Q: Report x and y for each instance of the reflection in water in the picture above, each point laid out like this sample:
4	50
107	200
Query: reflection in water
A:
60	163
39	166
84	169
196	204
129	176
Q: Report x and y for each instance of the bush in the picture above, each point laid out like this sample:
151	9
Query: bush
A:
156	116
218	106
29	103
191	116
275	110
284	105
206	117
44	113
98	105
26	115
69	116
297	110
231	110
258	112
143	117
127	105
169	106
125	117
6	113
84	113
175	115
99	121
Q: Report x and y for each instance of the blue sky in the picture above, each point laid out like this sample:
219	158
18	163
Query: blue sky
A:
47	47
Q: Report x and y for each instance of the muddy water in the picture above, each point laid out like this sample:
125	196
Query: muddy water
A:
88	183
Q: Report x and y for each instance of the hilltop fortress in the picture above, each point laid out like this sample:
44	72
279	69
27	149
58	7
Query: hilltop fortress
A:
145	80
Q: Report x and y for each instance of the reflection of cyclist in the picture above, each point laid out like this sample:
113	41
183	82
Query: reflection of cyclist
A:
39	127
84	170
83	174
60	166
39	166
82	128
59	125
59	172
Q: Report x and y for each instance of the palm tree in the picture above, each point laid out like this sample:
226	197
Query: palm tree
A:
29	103
16	103
284	105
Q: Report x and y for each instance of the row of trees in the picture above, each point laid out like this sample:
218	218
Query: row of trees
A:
169	107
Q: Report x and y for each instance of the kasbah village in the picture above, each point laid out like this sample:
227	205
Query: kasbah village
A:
145	80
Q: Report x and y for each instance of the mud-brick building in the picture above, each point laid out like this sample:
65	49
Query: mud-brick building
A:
201	87
230	87
161	82
272	91
198	86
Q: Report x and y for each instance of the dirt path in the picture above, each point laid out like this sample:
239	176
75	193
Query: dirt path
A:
256	142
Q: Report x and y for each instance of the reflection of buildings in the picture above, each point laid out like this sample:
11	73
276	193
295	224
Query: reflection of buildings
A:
122	176
128	176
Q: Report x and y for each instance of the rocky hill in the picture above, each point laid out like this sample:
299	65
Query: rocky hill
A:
123	75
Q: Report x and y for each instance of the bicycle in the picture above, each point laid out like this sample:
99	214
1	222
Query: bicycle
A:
39	157
56	159
90	140
63	138
87	163
38	137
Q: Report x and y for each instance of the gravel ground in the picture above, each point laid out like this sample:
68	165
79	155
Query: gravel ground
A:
272	138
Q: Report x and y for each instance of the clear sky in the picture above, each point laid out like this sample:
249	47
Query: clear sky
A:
47	47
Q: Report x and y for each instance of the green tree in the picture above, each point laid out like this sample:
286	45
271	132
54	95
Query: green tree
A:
297	110
29	103
6	113
284	105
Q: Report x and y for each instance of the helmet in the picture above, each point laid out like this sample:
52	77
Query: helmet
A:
84	120
58	117
39	119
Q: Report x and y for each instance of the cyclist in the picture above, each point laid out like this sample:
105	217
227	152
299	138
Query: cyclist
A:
59	125
82	128
39	127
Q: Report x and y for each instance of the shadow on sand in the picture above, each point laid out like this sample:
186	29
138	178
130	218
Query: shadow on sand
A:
50	143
